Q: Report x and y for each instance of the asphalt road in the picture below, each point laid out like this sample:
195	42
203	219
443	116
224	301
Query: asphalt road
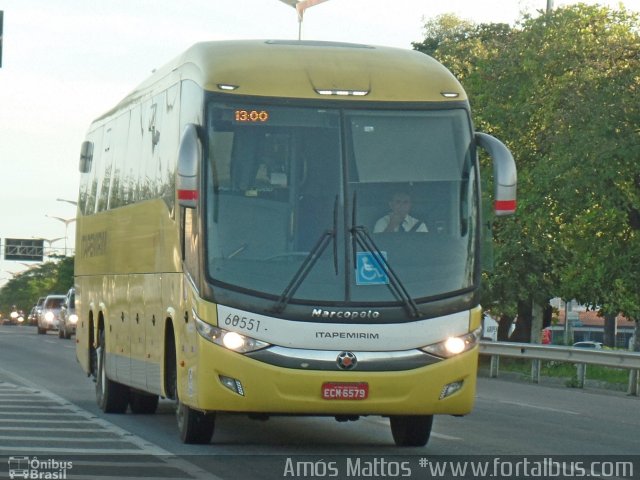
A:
47	408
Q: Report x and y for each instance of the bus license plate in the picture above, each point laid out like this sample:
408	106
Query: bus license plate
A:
345	391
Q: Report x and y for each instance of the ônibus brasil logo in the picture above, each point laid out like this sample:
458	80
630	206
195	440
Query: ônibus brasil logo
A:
33	468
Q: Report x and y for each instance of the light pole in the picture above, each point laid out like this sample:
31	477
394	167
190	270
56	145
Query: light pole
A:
72	202
67	222
13	274
28	266
4	281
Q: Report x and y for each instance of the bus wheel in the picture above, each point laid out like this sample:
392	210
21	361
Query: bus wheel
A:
194	426
411	430
112	397
143	403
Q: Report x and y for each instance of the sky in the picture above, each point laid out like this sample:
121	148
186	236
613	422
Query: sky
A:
65	62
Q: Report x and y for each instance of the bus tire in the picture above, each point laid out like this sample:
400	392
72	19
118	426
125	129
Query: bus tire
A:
143	403
411	430
112	397
195	427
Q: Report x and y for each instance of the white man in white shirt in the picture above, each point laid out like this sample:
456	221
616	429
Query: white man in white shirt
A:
399	220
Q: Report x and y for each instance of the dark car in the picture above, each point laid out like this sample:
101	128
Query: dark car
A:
32	319
36	311
68	317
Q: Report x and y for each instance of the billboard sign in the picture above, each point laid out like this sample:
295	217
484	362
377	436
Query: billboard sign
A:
24	249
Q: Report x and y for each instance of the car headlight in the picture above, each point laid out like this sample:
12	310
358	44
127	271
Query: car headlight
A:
73	318
49	316
230	340
453	346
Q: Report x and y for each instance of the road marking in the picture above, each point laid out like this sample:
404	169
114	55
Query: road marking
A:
442	436
104	438
538	407
50	429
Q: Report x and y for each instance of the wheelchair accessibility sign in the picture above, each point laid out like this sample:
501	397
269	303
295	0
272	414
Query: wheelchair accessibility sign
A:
370	269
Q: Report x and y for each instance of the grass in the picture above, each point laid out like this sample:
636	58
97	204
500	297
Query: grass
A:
617	376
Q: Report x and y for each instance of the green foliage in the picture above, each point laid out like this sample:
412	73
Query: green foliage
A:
562	91
599	373
24	289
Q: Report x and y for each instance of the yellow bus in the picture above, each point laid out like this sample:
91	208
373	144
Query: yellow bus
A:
247	239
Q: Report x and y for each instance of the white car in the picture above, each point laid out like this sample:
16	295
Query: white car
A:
68	317
49	317
588	344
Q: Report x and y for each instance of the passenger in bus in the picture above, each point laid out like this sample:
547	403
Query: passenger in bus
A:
398	219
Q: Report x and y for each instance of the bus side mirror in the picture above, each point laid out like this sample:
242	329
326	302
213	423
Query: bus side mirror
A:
504	173
189	155
86	156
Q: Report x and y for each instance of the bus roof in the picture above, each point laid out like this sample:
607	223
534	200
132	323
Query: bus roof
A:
310	70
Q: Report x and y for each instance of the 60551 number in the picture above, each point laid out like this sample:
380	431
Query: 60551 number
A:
245	323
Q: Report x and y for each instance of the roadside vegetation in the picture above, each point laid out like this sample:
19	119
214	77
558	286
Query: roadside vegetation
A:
561	90
606	377
24	289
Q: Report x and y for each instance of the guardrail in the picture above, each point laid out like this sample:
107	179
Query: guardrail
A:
581	357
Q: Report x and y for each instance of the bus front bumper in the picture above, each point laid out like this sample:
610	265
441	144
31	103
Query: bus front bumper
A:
222	380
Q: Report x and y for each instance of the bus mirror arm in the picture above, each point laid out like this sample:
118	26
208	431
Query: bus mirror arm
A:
189	158
504	173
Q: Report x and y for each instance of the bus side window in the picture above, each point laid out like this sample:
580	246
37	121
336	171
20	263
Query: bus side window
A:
103	177
129	175
121	142
88	181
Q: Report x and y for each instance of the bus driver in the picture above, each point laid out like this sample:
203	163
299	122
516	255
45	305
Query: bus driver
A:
399	220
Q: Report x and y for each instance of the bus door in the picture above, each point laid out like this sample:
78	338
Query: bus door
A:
281	180
273	195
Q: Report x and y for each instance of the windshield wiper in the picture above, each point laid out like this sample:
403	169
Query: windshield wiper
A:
362	239
309	261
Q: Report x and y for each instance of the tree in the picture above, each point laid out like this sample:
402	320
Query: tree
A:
24	289
560	90
585	184
474	54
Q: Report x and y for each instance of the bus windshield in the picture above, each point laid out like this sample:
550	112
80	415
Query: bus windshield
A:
338	205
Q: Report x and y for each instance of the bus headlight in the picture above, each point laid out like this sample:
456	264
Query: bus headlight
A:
453	346
230	340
